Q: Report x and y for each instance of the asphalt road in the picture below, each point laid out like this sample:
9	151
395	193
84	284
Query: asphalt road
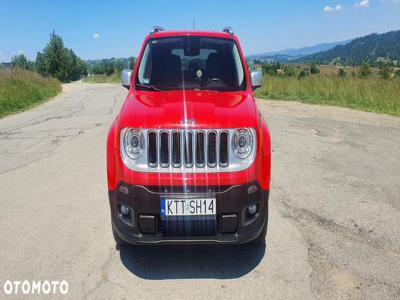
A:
334	228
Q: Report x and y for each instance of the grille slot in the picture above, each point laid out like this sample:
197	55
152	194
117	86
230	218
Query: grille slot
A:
200	153
223	149
188	149
212	149
152	153
176	149
164	149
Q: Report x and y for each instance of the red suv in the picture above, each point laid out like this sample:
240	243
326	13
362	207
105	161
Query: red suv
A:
189	155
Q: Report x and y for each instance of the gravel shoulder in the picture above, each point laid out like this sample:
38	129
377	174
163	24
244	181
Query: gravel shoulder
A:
336	177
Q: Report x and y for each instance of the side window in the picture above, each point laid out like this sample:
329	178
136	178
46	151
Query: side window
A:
145	68
238	63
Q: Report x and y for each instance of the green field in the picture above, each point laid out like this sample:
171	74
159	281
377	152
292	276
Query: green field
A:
368	94
103	78
21	89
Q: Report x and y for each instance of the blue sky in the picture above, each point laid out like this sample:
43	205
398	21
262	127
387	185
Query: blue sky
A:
100	29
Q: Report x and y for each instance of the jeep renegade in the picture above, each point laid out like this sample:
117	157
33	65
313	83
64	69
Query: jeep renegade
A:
189	155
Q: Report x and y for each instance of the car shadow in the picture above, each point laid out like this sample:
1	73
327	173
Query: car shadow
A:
191	261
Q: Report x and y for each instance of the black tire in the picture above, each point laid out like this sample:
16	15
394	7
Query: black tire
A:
118	241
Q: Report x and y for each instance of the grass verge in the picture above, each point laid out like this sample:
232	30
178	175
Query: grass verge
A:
102	78
369	94
22	89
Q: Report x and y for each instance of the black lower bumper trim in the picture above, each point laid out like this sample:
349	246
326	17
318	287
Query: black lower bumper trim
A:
232	223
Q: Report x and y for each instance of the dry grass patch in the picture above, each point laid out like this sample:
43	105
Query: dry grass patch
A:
369	94
21	89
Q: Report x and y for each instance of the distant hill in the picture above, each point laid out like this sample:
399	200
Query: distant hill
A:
372	49
290	54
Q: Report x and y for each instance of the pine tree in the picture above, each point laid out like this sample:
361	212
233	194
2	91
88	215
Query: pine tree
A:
41	64
20	61
365	71
60	62
314	69
57	58
384	71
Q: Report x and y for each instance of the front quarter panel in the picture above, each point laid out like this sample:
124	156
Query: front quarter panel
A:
112	146
265	153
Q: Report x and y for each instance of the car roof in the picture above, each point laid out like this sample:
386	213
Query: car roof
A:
171	33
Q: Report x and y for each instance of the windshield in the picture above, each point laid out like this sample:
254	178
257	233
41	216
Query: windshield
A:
191	62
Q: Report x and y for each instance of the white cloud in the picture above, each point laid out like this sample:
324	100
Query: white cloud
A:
363	3
96	35
330	9
20	51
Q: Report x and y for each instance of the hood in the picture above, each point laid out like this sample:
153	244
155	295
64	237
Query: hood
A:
202	109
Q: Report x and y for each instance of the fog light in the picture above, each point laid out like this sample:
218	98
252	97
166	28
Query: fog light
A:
124	210
252	188
252	209
126	215
123	189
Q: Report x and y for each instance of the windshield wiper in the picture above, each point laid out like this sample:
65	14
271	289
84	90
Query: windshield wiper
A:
148	86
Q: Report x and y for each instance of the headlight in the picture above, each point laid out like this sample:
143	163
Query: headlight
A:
242	143
133	142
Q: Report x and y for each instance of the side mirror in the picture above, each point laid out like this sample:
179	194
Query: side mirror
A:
256	78
126	78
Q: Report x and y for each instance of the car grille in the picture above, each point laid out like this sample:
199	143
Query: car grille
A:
187	149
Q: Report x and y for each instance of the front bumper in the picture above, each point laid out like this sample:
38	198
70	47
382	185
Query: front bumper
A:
232	224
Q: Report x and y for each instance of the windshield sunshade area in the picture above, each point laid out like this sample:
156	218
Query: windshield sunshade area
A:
191	62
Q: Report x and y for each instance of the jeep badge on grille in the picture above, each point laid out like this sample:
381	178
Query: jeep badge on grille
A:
188	121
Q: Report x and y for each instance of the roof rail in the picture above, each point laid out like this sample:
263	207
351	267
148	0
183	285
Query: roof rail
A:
228	29
156	29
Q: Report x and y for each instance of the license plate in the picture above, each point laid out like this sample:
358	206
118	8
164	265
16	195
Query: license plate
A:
188	207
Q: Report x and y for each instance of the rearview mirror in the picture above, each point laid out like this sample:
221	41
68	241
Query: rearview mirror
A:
256	78
126	78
